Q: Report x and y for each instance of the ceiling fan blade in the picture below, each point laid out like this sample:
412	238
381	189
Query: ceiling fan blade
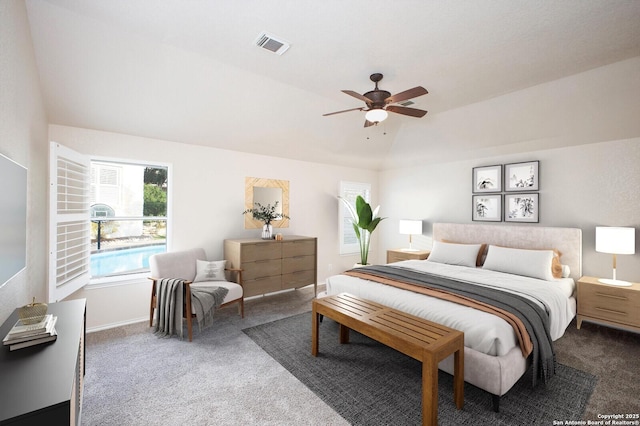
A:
407	94
413	112
368	123
358	96
344	110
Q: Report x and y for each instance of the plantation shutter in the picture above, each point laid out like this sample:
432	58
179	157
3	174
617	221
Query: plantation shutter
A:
350	191
70	226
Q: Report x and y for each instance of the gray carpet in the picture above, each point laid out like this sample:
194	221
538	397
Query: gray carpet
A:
225	378
134	378
370	384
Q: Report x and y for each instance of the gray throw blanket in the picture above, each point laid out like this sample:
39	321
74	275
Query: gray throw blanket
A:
170	306
204	301
535	318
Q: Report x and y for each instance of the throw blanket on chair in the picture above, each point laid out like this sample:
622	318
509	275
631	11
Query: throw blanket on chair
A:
204	301
169	308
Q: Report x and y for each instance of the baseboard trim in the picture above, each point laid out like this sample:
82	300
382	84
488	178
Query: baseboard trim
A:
117	324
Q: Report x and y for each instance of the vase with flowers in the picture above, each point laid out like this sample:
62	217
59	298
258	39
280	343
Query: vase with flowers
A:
266	214
364	221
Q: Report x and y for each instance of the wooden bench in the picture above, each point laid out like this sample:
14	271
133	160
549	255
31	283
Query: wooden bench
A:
418	338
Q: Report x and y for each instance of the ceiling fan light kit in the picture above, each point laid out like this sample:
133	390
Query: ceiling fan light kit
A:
376	115
379	102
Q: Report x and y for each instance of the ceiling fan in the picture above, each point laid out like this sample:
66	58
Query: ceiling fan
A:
378	102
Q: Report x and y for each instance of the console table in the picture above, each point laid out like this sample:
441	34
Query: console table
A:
42	384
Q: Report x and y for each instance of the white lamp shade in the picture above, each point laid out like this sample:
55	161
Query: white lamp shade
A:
411	227
616	240
376	115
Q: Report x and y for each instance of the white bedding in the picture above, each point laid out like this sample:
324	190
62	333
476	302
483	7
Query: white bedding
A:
483	332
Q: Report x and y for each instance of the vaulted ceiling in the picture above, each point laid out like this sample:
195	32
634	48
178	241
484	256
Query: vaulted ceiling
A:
190	71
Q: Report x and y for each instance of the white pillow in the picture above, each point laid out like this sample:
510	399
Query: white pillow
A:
454	254
210	271
566	271
530	263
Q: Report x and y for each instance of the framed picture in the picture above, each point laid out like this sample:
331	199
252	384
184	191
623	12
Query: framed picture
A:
522	176
521	208
487	179
487	208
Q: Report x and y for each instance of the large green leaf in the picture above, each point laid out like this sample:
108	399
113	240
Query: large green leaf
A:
365	214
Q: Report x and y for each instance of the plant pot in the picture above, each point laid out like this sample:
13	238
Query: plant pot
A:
360	265
267	232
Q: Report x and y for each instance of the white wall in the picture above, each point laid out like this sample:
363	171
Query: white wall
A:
580	185
207	187
23	138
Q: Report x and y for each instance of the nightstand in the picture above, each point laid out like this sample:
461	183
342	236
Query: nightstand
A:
608	304
396	255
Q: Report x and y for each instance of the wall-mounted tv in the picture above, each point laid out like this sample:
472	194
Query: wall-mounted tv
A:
13	219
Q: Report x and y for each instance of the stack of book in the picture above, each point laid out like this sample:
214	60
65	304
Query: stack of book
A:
25	335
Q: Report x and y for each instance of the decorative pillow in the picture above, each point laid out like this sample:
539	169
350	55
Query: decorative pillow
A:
454	254
481	253
210	271
530	263
556	266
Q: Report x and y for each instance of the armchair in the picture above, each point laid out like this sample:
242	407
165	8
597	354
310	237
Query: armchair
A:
183	265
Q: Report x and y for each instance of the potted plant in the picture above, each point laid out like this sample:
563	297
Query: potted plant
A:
266	214
364	221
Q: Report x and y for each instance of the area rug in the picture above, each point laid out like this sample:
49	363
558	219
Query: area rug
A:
368	383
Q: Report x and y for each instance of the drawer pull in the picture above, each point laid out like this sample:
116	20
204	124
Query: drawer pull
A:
612	296
611	311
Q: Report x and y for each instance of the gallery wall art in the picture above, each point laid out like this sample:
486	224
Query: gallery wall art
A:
495	194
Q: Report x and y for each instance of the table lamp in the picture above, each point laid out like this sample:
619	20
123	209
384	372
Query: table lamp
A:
615	240
410	227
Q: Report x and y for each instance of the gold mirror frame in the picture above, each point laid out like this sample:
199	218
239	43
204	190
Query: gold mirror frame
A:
249	184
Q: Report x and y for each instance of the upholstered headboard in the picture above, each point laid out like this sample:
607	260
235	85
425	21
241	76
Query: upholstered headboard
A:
567	240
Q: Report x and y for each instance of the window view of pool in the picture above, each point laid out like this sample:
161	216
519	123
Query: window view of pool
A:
123	260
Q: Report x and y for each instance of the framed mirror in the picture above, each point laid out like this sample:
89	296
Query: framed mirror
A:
266	191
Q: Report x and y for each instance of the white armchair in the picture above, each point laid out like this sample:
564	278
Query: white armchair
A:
184	265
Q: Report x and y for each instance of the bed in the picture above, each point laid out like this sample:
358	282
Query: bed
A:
495	359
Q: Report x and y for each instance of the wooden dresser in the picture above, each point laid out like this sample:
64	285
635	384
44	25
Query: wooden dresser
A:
270	265
608	304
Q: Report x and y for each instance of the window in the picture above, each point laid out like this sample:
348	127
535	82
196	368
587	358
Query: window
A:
108	218
128	216
350	191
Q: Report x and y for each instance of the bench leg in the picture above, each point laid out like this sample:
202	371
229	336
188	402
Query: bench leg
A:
458	378
315	328
429	390
344	334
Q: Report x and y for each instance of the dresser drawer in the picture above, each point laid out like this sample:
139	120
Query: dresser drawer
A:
261	251
298	263
261	268
298	279
298	248
263	285
609	303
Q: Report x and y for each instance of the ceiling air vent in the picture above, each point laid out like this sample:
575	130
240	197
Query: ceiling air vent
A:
272	43
407	103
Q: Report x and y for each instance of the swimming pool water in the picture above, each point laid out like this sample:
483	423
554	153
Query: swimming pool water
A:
122	261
